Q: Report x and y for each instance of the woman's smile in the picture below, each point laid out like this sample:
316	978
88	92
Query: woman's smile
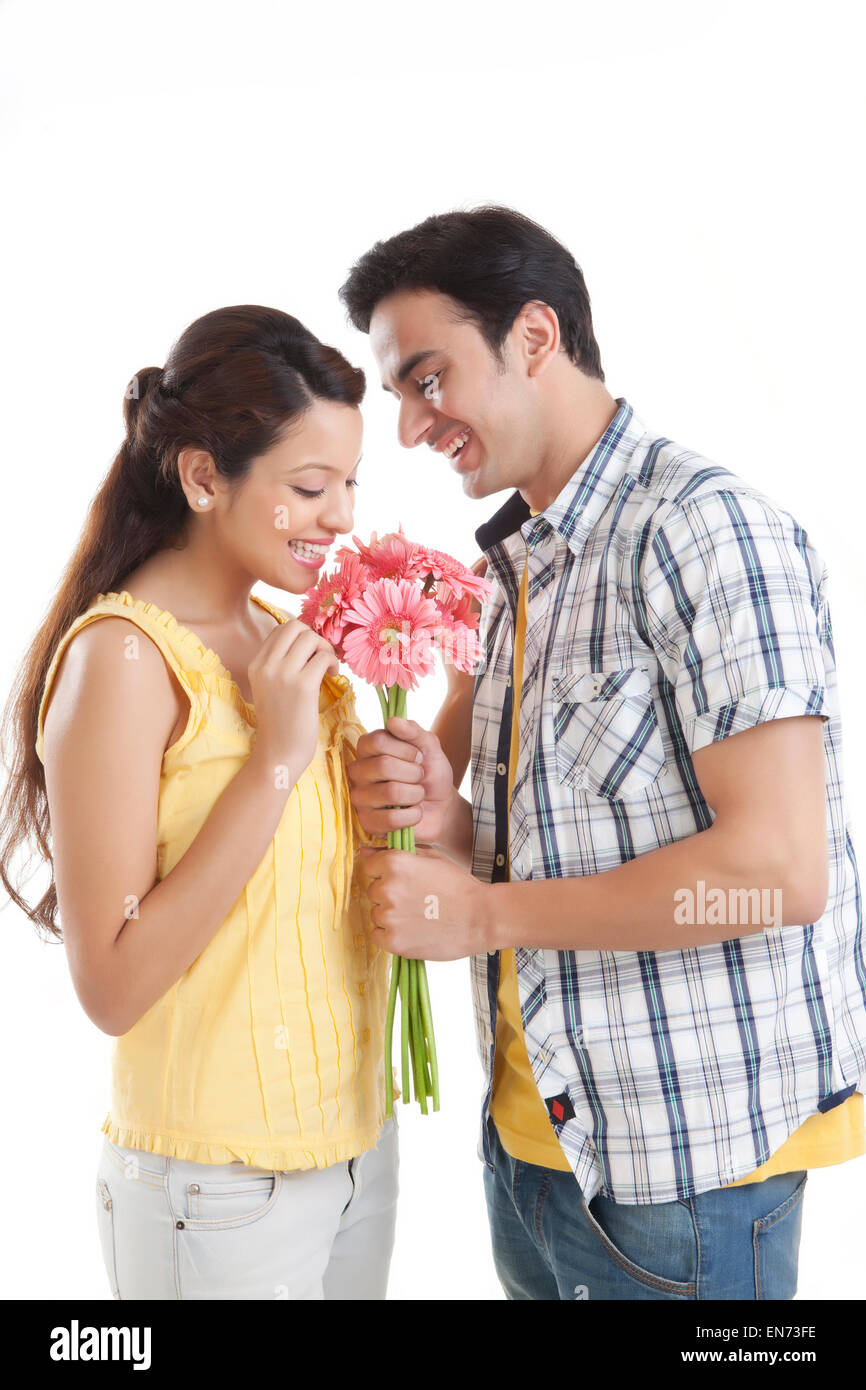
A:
310	554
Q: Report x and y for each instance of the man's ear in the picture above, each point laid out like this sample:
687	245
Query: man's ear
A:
539	337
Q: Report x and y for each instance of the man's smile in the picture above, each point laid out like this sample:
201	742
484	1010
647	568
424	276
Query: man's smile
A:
466	459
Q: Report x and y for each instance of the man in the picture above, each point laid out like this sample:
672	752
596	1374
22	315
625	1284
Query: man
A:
663	909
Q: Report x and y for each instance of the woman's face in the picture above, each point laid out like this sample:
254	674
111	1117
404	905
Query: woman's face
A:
299	497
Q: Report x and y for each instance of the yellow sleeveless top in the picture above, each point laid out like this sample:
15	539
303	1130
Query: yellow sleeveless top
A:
270	1048
520	1114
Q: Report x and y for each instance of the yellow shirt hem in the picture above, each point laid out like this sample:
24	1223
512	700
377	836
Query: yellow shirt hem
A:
284	1157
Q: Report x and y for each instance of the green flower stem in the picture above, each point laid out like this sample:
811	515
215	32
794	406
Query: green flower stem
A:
383	701
418	1040
408	979
427	1016
389	1034
414	1055
400	711
404	1026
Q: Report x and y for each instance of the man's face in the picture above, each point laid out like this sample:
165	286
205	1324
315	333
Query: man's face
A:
448	382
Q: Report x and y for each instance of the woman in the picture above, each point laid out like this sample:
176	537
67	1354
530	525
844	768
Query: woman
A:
195	740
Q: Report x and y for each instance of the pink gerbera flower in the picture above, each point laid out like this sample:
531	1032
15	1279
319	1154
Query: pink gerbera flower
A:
457	638
452	574
389	642
392	557
327	603
456	610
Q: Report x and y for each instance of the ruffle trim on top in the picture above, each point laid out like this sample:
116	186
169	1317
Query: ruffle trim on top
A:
205	658
281	1156
338	703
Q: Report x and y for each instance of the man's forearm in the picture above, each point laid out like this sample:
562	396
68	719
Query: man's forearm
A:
654	902
453	728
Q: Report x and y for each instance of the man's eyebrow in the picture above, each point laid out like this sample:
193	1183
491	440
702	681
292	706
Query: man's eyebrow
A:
411	362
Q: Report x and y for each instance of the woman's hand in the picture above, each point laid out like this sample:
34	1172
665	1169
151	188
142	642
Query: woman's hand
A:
285	677
399	777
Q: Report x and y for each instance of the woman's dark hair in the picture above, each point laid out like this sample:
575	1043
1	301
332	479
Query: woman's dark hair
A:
234	384
491	261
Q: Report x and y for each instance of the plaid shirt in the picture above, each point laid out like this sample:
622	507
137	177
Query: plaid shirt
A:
671	604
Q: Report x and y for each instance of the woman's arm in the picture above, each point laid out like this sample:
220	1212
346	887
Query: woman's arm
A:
128	936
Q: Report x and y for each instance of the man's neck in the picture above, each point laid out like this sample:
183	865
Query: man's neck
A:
576	427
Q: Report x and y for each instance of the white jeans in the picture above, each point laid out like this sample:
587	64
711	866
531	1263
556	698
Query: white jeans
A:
174	1229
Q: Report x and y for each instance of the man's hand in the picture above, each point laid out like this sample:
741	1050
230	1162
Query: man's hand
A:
401	767
422	905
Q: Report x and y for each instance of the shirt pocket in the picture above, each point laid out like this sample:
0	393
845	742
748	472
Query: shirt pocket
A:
606	735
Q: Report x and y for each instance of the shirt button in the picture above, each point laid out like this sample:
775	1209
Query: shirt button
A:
500	860
595	687
501	769
507	680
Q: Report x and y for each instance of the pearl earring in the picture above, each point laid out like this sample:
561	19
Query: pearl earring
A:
202	501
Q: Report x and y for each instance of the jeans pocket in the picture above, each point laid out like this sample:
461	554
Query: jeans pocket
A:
217	1204
656	1245
776	1245
105	1223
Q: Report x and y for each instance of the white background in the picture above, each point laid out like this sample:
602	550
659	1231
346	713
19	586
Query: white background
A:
704	165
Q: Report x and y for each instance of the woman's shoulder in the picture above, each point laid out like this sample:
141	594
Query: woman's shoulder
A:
103	671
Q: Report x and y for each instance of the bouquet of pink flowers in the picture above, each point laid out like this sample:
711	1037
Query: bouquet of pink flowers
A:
386	609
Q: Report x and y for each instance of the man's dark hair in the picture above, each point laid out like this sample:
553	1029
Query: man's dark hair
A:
491	261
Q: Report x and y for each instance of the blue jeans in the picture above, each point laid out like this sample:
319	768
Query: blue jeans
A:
728	1243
